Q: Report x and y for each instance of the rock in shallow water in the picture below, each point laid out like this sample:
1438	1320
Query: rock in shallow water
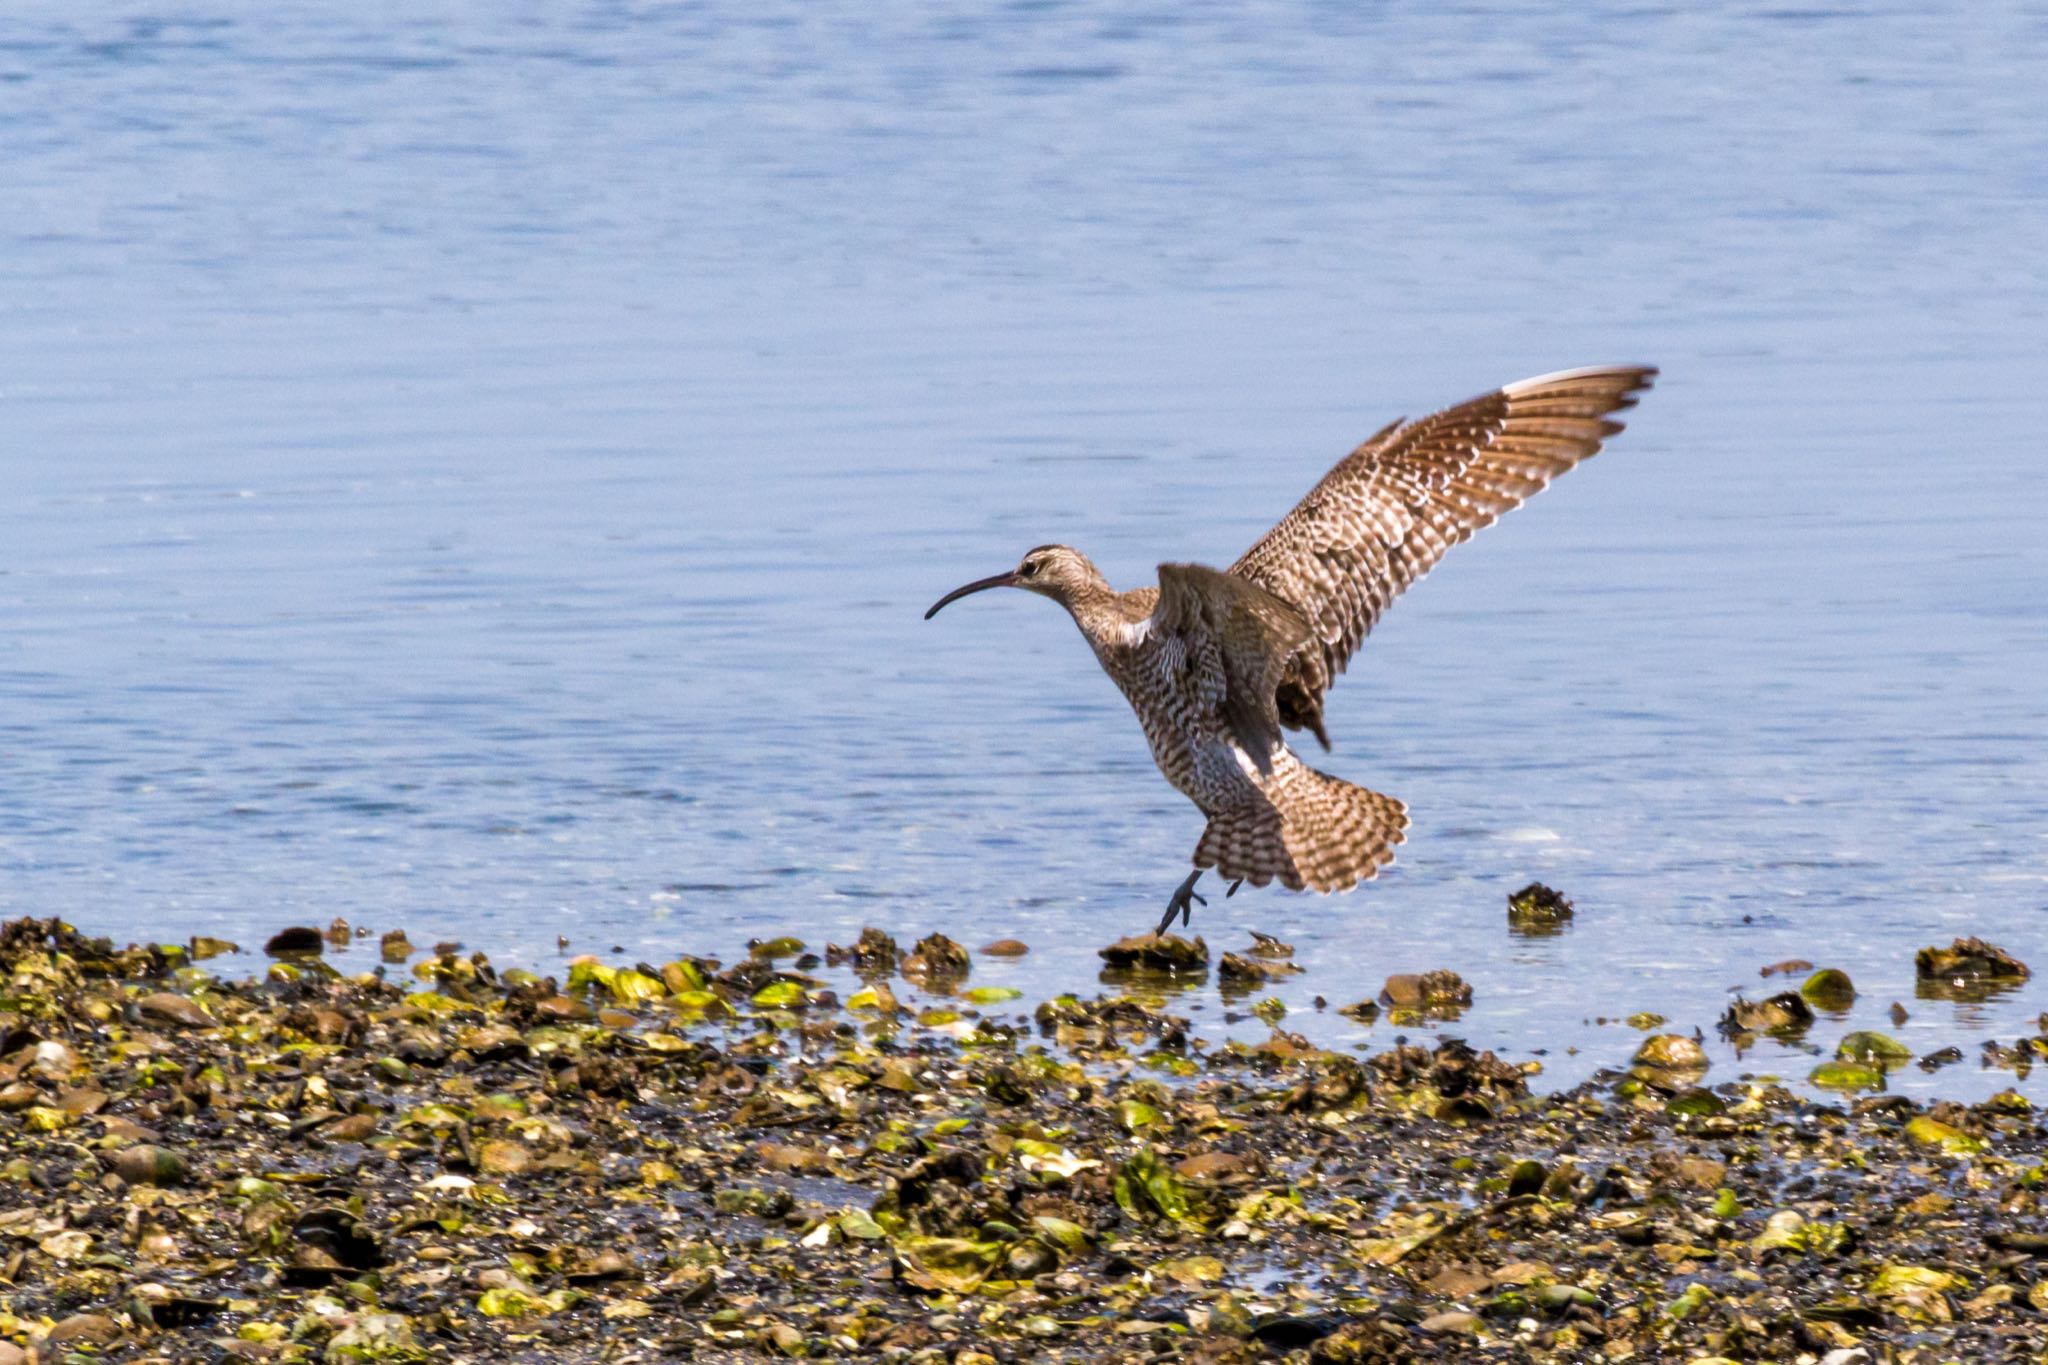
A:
297	941
1242	970
1783	1013
1439	989
1968	959
937	963
1538	909
1158	953
1829	989
1672	1052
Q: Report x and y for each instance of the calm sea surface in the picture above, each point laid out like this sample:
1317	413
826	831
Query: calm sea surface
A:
480	467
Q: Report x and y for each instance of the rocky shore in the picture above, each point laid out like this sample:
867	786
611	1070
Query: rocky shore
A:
418	1157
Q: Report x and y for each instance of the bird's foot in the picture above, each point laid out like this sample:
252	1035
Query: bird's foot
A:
1182	903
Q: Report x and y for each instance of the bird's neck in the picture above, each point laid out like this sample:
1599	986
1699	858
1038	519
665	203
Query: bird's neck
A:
1107	617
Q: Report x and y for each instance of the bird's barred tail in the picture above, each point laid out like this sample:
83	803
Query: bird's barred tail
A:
1313	831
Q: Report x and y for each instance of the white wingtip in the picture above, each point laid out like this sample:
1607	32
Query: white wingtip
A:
1637	377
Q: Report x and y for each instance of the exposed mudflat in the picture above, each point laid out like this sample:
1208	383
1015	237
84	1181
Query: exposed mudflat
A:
696	1159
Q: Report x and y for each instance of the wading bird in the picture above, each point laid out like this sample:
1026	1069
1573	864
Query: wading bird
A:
1216	663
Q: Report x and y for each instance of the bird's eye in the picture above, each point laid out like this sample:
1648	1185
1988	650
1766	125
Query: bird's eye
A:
1030	569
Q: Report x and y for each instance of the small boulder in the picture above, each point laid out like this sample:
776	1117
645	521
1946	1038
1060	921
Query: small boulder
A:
94	1329
874	951
297	941
1873	1049
1265	945
164	1007
936	963
1671	1052
1238	969
1157	953
1538	909
1829	989
147	1164
1968	959
1783	1013
1440	989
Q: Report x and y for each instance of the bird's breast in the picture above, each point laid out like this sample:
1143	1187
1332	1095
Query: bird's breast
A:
1184	726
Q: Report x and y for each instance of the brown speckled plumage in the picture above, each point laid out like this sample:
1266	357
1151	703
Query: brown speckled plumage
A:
1216	664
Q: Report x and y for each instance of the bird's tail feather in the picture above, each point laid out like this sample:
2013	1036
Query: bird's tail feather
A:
1311	831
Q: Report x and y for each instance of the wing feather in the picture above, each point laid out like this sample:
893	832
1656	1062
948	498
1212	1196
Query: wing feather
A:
1240	636
1392	508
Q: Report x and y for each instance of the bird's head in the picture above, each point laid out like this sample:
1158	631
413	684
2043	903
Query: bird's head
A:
1056	571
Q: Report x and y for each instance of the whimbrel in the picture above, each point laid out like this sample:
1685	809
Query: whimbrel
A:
1217	663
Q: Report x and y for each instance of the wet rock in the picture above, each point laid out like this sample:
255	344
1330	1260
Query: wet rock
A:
1671	1052
297	941
1789	1231
1429	990
1157	953
937	963
160	1307
991	995
337	1239
1373	1341
1538	910
874	952
166	1008
350	1128
394	947
1252	971
1847	1075
1783	1014
1932	1132
1288	1332
145	1164
52	1062
595	1268
1829	989
783	1156
1787	967
1222	1168
1968	960
1005	947
774	949
1941	1057
1267	946
2019	1057
1450	1323
954	1265
84	1329
1874	1049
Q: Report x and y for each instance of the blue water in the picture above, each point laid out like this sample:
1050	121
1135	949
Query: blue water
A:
480	469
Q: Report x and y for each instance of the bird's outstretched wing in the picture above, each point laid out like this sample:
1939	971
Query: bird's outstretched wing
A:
1235	640
1390	509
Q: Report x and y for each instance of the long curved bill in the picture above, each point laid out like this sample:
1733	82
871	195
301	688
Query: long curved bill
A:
1001	580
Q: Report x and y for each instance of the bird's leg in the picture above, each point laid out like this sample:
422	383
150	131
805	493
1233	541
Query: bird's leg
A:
1182	903
1233	888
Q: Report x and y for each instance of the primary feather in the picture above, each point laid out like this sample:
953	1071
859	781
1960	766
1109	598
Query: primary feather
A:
1388	511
